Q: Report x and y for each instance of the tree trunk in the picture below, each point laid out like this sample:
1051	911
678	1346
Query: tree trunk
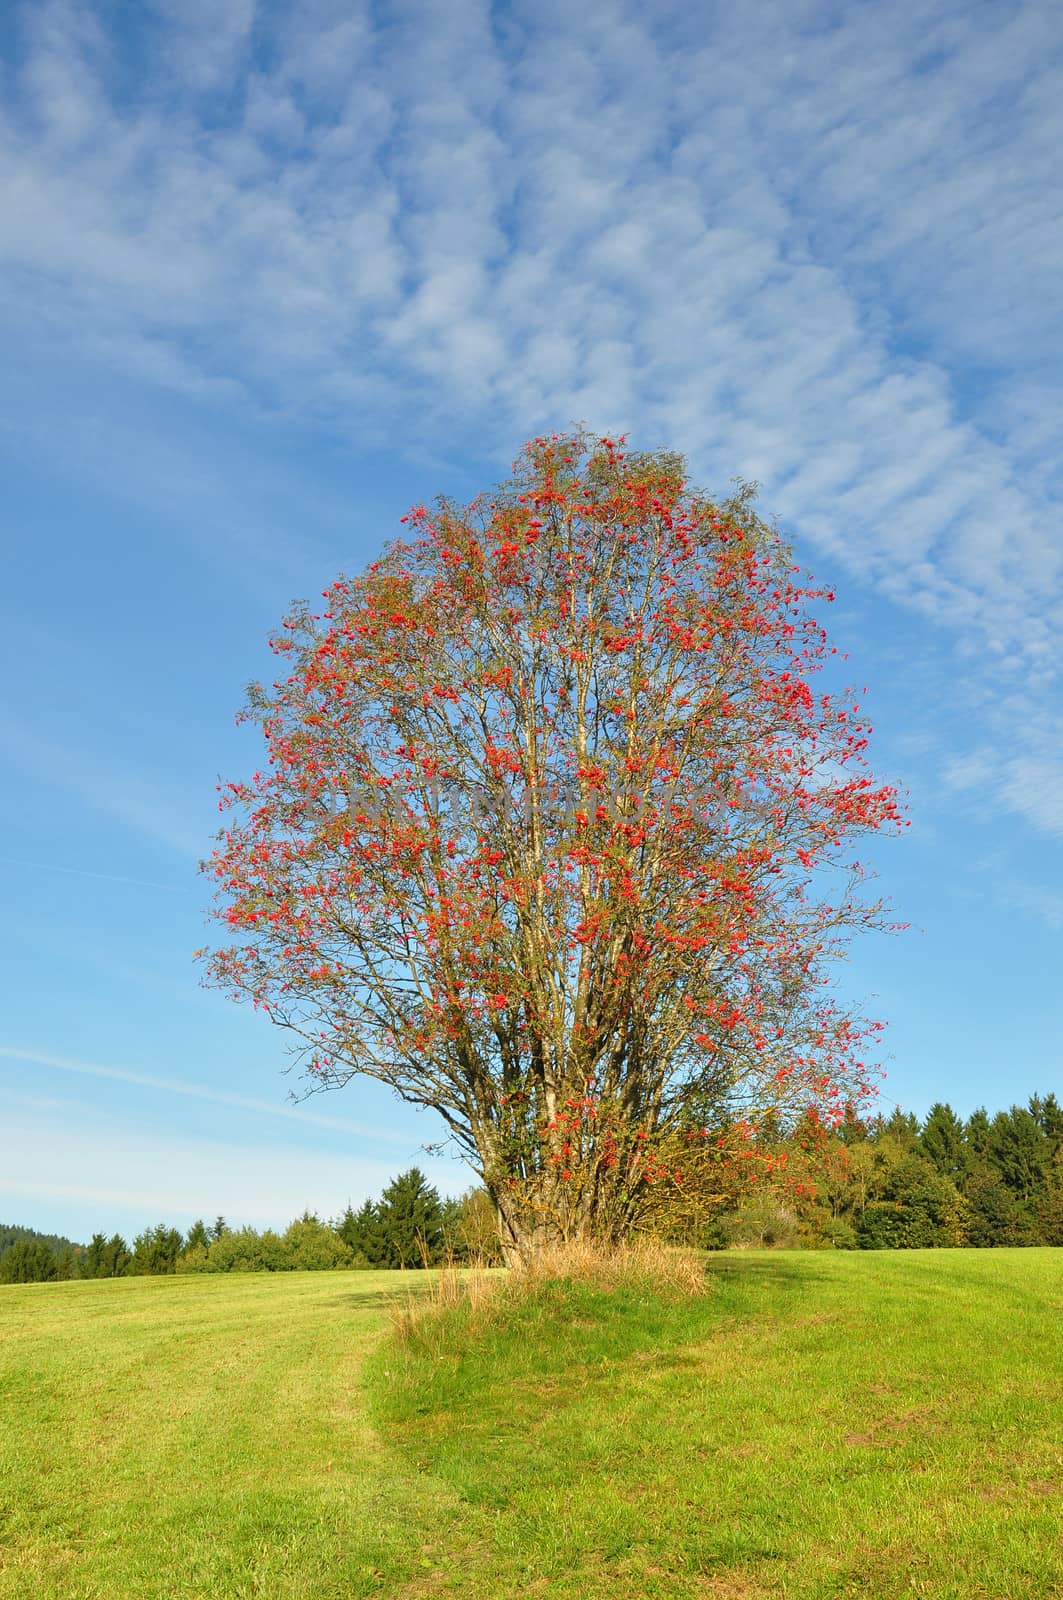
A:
524	1234
527	1231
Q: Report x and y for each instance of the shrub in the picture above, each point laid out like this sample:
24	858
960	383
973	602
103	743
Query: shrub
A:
309	1246
761	1222
996	1216
918	1209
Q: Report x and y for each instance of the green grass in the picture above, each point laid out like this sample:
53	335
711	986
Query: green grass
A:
200	1436
819	1425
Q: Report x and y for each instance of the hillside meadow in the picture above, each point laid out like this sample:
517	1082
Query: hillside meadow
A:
819	1424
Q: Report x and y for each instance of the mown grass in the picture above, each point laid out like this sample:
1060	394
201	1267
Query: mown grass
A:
818	1425
201	1437
822	1425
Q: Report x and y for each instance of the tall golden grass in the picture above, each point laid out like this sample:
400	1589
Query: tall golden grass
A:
482	1293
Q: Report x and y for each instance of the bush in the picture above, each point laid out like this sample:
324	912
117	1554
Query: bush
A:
309	1246
1050	1212
238	1250
471	1229
306	1246
919	1209
996	1218
761	1222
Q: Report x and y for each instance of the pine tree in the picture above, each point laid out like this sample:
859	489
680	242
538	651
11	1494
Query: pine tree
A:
1048	1114
68	1263
903	1127
851	1130
943	1141
12	1232
28	1261
411	1222
115	1258
92	1265
1020	1152
197	1237
363	1231
979	1132
156	1250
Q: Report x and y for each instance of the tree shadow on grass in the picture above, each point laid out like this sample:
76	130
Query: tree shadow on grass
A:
384	1298
766	1268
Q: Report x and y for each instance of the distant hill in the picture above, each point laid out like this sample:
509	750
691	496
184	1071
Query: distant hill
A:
11	1233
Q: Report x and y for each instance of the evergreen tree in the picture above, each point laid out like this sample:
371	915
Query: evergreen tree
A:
28	1261
115	1258
1048	1114
92	1264
68	1263
363	1231
346	1225
1020	1152
997	1217
944	1141
903	1128
979	1133
156	1250
851	1130
12	1232
219	1227
410	1222
197	1237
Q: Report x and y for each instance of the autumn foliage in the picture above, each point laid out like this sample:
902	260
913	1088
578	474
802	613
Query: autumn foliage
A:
554	837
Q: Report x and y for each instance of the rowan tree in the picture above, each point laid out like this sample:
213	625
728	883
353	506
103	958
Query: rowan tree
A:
554	835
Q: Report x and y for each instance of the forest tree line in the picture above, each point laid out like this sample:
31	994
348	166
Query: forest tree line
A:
878	1183
409	1226
898	1183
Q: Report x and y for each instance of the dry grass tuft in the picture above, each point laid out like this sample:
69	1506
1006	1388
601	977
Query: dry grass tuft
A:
662	1269
446	1289
481	1293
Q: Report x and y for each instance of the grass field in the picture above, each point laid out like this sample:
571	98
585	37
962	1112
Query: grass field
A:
819	1425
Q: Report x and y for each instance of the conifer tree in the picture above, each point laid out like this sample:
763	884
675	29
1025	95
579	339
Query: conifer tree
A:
28	1261
197	1237
978	1132
943	1141
410	1222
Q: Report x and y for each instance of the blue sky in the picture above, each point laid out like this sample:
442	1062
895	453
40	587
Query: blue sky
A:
271	273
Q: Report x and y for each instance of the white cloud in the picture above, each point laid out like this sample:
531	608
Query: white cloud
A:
298	1114
83	872
140	799
115	1175
832	263
1039	899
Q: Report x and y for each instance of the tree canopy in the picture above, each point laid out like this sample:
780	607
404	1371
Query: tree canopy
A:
554	833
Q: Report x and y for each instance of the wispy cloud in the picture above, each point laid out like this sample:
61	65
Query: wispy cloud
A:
196	1091
83	872
832	264
113	785
130	1180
